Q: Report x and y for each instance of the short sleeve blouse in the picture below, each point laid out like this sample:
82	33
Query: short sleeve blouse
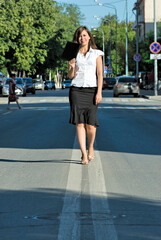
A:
86	69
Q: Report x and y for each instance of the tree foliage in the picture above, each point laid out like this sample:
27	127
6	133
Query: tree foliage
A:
34	32
109	26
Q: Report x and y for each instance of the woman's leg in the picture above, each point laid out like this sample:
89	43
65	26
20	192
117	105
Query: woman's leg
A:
18	104
81	135
8	107
91	133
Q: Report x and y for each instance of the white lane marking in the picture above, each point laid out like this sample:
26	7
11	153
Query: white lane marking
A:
155	108
6	113
69	228
104	228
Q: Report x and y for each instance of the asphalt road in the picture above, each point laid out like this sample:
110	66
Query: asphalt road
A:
45	193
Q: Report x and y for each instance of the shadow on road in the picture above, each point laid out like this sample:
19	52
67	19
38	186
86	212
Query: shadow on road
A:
45	126
35	214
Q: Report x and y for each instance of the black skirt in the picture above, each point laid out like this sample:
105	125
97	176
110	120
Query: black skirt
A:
83	108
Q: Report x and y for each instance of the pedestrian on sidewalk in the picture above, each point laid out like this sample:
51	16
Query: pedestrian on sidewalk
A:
86	72
12	94
146	80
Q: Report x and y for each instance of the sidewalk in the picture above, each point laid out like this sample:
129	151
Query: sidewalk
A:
149	94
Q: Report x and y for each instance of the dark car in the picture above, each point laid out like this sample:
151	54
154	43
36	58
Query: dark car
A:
30	86
53	85
48	85
108	82
126	85
66	84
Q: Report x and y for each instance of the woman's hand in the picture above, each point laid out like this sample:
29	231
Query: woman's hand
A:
72	63
71	68
98	98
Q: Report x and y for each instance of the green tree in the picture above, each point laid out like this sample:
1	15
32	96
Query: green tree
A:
33	33
108	25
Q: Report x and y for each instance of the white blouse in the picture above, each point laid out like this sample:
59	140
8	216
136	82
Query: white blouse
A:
86	69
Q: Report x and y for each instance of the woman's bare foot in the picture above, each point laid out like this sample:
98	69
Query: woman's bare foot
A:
90	153
84	159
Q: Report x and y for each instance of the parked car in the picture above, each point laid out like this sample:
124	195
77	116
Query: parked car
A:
66	84
20	90
53	85
21	86
48	85
126	85
108	82
2	79
39	84
30	86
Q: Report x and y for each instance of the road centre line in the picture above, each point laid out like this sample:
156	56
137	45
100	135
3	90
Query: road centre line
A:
69	223
69	228
102	221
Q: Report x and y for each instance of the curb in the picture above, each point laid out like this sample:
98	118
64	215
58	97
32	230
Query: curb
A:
155	98
145	96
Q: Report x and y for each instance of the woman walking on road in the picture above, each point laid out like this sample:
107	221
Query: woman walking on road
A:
86	72
12	94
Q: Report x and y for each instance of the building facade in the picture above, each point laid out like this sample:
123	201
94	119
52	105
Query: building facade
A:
146	16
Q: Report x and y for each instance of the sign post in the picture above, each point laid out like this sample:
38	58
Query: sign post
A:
137	57
155	49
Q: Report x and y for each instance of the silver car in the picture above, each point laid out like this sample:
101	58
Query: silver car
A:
39	84
126	86
20	90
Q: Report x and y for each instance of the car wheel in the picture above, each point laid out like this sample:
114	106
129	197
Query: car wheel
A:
116	95
136	95
24	94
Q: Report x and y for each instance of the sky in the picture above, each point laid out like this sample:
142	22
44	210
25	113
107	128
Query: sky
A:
90	9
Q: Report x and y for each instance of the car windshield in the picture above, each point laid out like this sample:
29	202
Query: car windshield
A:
28	80
67	81
19	81
127	80
109	79
7	81
37	81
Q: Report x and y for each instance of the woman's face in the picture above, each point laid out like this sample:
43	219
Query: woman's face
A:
84	38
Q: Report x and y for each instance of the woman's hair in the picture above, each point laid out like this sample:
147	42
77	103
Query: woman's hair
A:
78	33
13	75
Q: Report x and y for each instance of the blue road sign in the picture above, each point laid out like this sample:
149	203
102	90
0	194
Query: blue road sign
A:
155	47
137	57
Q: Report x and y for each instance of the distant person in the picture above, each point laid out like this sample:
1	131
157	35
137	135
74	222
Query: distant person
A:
86	72
146	80
12	94
3	79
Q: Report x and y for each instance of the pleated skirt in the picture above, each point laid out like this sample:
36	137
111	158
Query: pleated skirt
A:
82	106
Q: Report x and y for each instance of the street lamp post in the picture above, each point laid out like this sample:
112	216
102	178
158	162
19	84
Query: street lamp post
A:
113	7
103	47
137	36
127	38
106	20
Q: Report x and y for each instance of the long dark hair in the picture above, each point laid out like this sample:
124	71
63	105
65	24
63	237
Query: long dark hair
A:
78	33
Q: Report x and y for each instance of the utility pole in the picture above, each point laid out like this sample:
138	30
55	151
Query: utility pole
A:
127	38
155	60
137	38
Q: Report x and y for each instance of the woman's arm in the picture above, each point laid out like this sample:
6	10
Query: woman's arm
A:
100	79
10	86
71	68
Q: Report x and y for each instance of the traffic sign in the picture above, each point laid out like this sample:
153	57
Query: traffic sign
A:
155	56
155	47
137	57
